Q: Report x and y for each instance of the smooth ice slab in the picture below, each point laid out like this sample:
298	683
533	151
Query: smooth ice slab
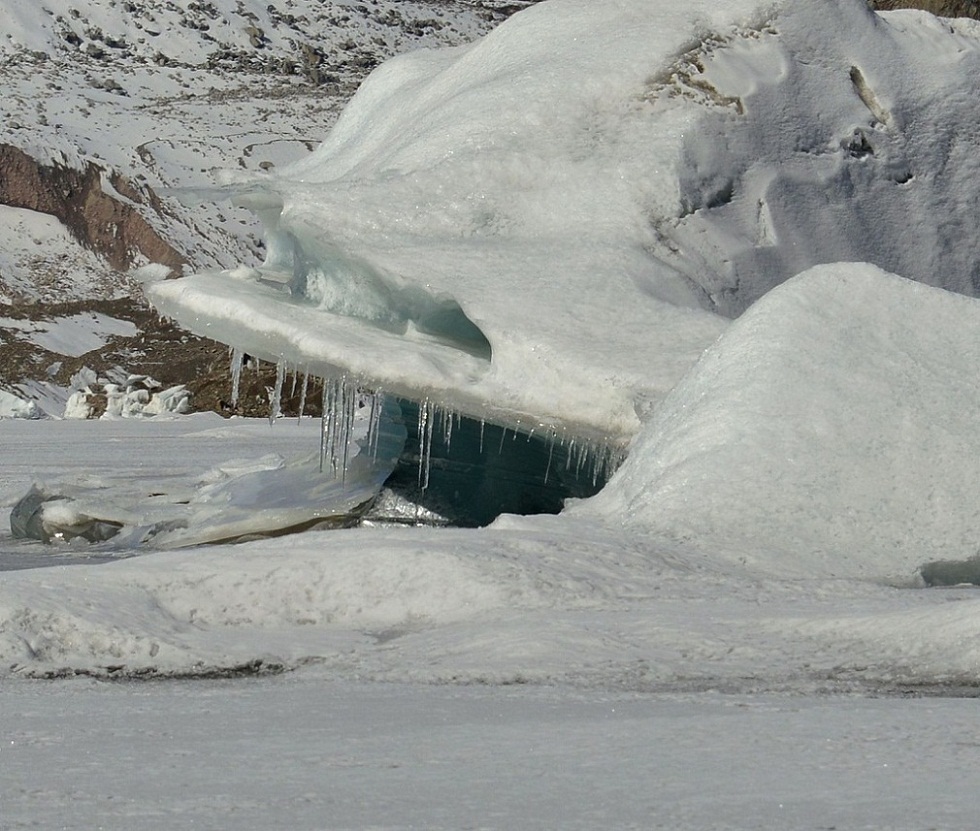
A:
237	500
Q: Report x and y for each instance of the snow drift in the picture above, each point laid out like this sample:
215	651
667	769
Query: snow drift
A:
833	429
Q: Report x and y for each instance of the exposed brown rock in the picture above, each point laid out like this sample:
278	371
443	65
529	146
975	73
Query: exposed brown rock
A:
112	228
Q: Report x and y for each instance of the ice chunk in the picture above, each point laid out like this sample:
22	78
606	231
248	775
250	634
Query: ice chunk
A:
13	406
238	500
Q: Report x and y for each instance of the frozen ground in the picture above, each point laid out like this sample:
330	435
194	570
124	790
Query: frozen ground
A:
309	753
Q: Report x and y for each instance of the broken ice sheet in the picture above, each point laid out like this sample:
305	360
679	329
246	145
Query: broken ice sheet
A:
241	499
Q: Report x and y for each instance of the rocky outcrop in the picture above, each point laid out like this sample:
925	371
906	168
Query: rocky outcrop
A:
109	224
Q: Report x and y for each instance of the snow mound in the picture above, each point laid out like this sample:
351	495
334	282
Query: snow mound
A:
834	429
543	227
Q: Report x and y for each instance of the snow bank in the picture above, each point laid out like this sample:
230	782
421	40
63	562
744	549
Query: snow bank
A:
540	228
833	429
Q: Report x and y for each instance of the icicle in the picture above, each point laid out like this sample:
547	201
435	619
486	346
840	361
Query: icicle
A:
427	416
324	422
374	423
503	435
447	428
237	356
551	453
483	426
292	393
302	394
583	454
334	421
350	410
423	419
275	402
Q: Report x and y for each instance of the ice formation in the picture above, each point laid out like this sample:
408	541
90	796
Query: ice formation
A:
239	499
539	235
15	406
546	228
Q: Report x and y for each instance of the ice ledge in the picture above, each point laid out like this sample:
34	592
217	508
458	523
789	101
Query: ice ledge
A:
260	318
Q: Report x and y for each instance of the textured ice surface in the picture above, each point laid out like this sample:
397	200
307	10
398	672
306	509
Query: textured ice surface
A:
238	499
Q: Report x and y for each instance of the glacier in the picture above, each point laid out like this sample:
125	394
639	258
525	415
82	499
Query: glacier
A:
545	229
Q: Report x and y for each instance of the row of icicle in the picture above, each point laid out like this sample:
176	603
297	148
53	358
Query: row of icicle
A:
343	400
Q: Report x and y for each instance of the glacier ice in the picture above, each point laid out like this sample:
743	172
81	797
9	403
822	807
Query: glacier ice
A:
549	225
544	230
237	500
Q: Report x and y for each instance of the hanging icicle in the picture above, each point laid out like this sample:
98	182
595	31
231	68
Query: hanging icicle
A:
302	395
324	422
374	423
237	357
275	400
551	453
427	417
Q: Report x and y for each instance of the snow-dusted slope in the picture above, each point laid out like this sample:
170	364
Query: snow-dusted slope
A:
540	228
108	105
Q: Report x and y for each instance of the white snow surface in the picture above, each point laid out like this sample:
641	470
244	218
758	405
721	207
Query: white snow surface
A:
310	754
765	533
833	429
595	186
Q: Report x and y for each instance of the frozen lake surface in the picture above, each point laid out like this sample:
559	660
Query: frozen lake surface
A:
307	753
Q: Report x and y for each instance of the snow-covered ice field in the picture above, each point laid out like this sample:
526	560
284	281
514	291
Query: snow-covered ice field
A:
308	753
732	242
549	672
